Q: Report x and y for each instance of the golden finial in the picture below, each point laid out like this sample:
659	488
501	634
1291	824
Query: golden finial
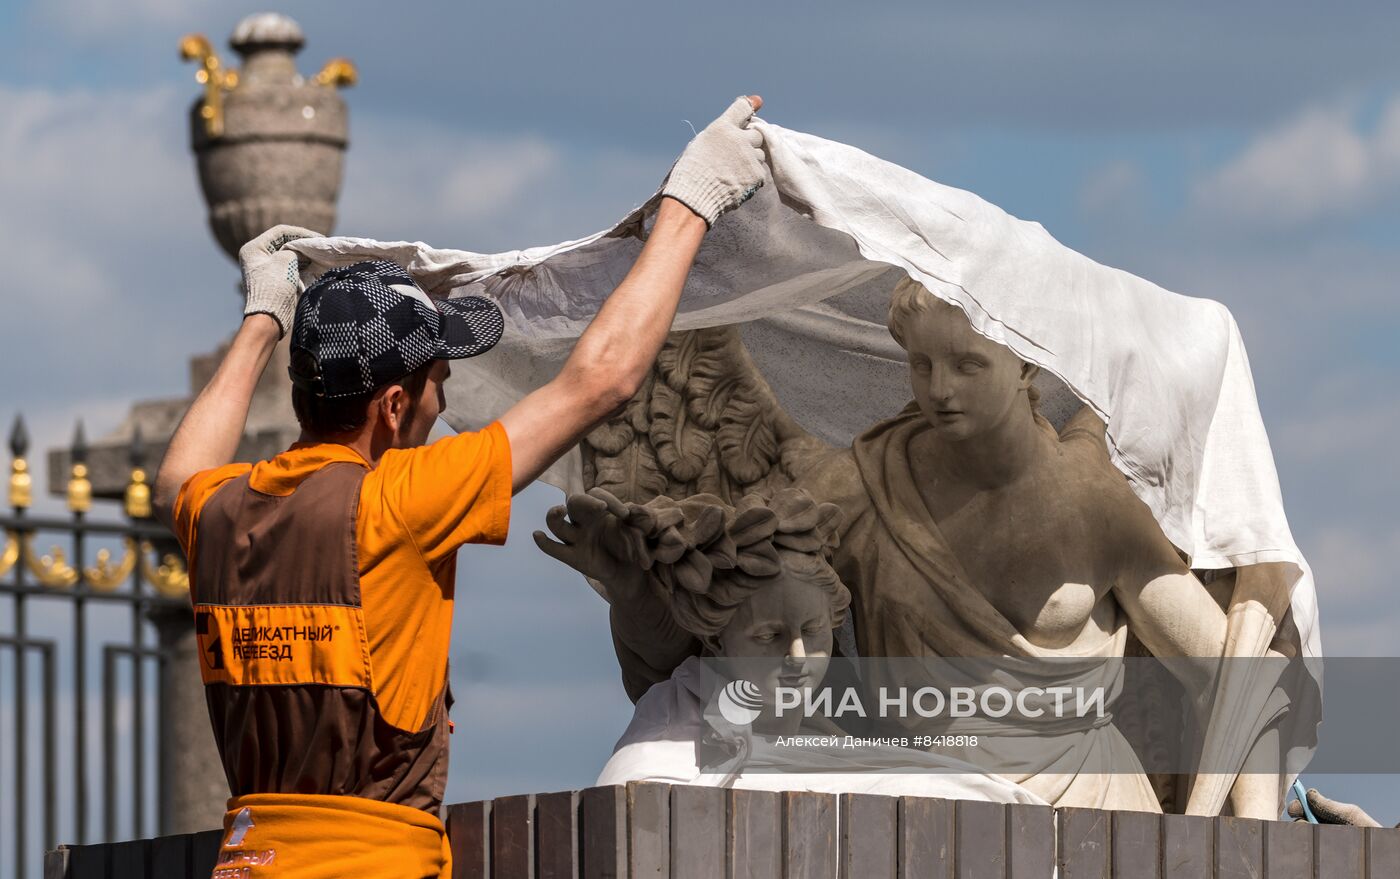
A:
211	75
138	493
338	72
21	484
79	488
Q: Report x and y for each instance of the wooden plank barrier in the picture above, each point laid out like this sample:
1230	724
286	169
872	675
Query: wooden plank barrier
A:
657	831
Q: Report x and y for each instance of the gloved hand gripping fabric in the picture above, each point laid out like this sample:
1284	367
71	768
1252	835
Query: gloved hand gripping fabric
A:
722	167
271	280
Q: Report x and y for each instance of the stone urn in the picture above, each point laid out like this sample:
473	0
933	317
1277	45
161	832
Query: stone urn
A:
270	143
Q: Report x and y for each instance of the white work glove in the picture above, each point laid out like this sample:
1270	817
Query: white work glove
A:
271	279
722	167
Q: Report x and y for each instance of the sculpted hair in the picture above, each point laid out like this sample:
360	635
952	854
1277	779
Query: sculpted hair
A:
707	557
322	417
909	298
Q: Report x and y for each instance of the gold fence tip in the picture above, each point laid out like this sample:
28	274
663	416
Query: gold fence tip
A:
21	484
79	487
138	495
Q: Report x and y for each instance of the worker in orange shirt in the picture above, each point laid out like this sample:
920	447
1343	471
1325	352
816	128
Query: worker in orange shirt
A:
322	579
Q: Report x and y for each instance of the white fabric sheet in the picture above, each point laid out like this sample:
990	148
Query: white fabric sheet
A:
808	265
664	741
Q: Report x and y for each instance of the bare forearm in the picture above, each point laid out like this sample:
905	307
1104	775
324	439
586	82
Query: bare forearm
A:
613	355
208	435
633	323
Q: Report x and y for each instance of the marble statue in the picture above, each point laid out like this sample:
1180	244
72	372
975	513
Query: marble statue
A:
754	584
971	527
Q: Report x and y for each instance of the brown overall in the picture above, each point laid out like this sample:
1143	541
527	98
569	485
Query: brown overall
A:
286	668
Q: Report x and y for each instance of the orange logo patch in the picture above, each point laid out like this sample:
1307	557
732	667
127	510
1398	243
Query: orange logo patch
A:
282	644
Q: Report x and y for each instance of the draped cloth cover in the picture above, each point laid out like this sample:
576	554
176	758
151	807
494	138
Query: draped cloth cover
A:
807	266
677	722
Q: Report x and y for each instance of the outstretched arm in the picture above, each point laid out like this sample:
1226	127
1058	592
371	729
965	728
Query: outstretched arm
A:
208	434
718	171
613	355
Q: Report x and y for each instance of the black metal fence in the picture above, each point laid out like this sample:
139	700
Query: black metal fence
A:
78	622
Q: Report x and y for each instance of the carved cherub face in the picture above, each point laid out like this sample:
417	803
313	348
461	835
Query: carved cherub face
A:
787	622
964	384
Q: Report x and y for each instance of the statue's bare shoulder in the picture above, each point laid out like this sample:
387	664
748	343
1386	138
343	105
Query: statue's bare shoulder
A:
1131	535
1133	542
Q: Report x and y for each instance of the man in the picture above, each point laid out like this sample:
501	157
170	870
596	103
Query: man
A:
323	579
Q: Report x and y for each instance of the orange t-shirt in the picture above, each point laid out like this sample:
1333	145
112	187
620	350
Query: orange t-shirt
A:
417	507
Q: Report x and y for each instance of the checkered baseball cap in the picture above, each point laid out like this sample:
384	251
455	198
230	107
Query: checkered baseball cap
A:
369	324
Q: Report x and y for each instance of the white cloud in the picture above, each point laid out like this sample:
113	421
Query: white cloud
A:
108	252
419	180
91	181
404	178
1321	164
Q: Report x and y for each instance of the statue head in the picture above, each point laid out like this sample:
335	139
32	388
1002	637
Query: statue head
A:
752	581
964	384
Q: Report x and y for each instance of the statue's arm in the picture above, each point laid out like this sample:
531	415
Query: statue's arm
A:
648	643
1168	608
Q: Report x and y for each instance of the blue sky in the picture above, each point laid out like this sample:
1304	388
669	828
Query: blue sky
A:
1249	153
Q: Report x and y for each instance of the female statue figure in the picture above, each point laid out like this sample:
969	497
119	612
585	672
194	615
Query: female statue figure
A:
971	529
754	585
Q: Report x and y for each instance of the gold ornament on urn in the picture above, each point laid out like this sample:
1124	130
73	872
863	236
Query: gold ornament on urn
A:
270	142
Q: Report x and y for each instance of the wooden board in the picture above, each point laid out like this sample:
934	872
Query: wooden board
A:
869	827
1288	850
809	835
1239	848
1382	852
204	852
1339	851
925	838
697	832
979	840
649	830
1187	847
603	832
1083	850
170	855
90	861
556	829
1137	845
1030	842
755	835
469	834
513	837
128	858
